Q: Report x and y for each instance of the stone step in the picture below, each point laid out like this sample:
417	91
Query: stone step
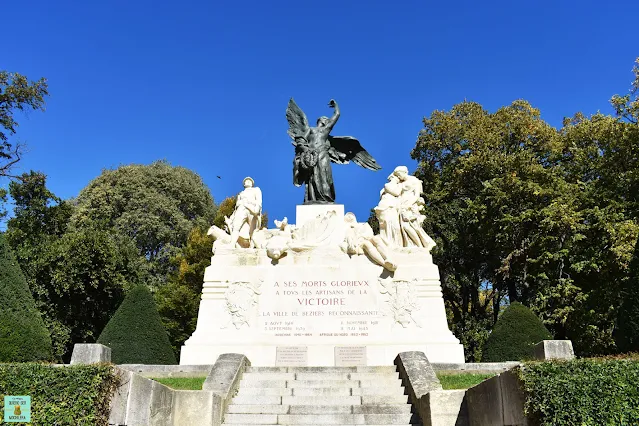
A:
322	376
257	409
386	390
374	376
319	409
382	409
257	399
265	391
359	369
263	383
383	399
250	419
268	376
322	391
266	370
321	400
323	384
323	369
327	419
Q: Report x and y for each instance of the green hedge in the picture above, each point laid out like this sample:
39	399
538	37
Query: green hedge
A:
582	392
514	336
76	395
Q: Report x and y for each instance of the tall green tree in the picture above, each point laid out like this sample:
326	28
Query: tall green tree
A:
39	221
179	300
77	276
499	208
17	93
155	205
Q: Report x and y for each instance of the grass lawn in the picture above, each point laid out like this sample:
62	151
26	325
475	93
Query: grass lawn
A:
461	380
182	383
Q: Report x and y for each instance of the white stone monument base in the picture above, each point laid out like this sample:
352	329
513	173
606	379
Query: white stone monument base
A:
321	355
314	300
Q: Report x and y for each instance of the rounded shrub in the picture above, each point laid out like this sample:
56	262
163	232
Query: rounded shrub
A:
514	336
135	333
23	335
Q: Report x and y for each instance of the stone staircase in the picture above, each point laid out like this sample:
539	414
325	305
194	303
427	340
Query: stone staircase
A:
320	396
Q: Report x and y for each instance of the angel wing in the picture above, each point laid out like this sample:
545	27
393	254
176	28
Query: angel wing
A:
297	122
346	148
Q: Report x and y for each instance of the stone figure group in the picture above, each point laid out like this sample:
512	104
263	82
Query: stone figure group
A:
399	211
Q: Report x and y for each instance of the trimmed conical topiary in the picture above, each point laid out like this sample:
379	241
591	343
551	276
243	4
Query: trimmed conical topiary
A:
514	336
23	335
135	333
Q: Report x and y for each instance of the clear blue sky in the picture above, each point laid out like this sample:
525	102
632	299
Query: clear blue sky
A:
205	84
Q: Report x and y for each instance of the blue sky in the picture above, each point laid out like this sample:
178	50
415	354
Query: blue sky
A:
205	84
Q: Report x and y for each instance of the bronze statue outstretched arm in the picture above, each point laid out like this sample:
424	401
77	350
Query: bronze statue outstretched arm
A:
335	117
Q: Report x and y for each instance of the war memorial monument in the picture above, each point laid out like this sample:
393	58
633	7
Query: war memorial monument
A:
324	291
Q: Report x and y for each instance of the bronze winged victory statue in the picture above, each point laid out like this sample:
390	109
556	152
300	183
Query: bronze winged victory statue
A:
315	149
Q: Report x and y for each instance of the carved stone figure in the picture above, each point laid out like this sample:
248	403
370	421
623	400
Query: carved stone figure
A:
244	221
387	212
315	149
360	240
401	300
399	211
241	301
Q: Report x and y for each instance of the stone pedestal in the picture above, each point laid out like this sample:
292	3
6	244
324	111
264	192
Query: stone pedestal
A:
554	349
90	353
317	302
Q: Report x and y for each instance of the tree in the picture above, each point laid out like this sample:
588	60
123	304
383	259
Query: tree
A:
627	331
16	94
23	336
77	276
179	300
500	210
627	106
516	333
135	333
155	205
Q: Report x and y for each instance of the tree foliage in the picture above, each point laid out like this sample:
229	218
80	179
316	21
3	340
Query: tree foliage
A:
524	212
23	336
627	332
77	276
155	205
135	333
179	300
17	93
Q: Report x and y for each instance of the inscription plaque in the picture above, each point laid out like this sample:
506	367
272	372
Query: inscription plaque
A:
291	356
348	356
